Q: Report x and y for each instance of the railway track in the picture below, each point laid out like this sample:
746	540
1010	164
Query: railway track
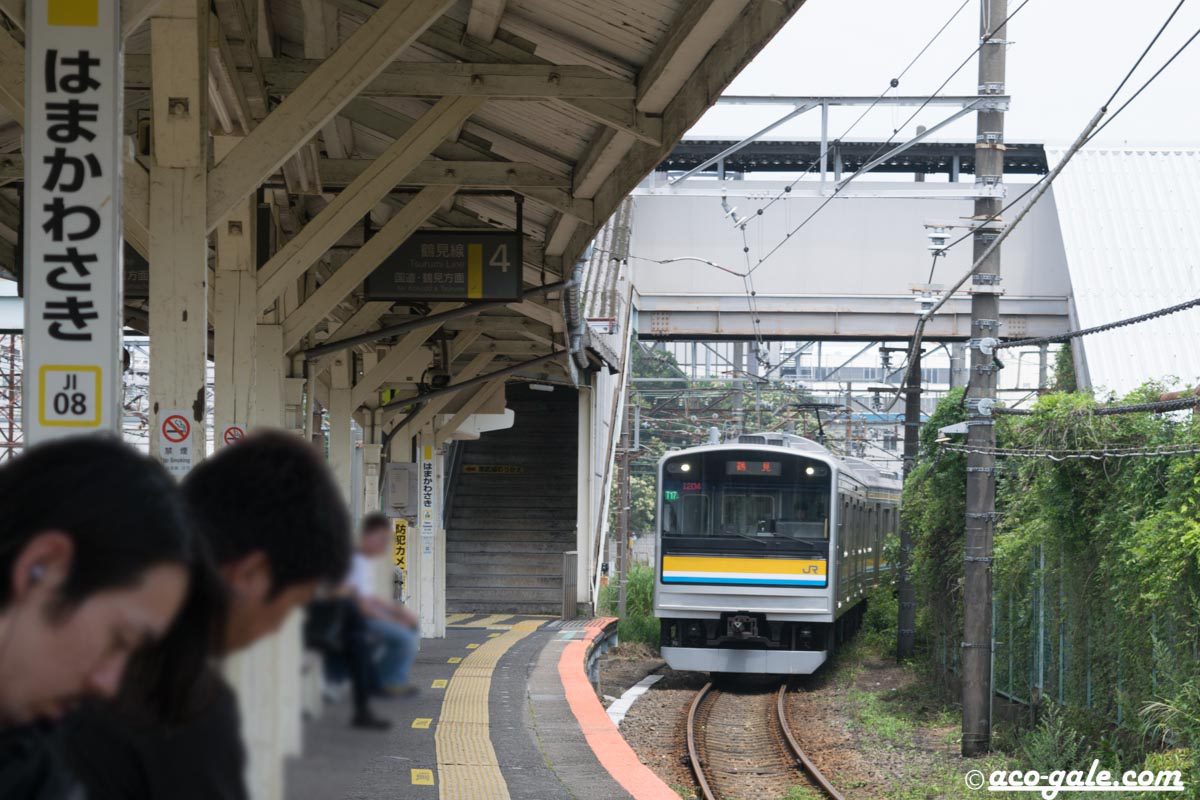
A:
741	745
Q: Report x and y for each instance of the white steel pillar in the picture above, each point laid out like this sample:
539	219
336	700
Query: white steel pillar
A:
429	586
267	675
178	220
235	318
585	564
341	440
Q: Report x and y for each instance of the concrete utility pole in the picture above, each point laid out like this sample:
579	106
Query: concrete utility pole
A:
981	393
624	501
907	621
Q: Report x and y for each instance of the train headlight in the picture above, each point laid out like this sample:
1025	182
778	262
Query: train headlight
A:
810	471
685	467
694	632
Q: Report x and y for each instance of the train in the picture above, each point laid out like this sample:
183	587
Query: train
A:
767	546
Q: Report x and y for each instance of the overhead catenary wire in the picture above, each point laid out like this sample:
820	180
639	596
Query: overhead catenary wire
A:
1067	455
1039	189
892	84
1154	406
1108	326
841	186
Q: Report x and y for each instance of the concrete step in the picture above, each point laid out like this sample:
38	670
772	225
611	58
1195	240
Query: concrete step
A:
466	524
515	540
511	533
510	561
495	545
502	607
513	499
546	598
473	510
501	580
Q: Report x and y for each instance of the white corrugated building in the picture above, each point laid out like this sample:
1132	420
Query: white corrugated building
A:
1130	222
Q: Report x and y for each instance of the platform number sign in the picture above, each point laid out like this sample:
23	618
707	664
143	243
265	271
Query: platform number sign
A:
451	265
72	237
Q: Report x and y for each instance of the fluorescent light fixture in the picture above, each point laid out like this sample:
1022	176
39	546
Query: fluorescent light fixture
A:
541	387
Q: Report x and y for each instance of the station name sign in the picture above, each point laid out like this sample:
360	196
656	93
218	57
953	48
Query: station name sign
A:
72	216
451	265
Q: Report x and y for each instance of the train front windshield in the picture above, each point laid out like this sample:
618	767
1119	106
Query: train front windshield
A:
745	502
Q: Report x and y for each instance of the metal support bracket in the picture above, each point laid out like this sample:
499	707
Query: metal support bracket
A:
980	406
986	345
978	559
988	324
989	516
984	470
976	644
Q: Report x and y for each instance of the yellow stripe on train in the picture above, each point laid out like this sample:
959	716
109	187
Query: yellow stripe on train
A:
758	566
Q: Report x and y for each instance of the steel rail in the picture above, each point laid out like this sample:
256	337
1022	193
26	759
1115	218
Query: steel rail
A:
809	767
801	760
693	753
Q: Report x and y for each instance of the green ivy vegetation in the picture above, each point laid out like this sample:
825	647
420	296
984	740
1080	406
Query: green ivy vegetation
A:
1096	573
639	623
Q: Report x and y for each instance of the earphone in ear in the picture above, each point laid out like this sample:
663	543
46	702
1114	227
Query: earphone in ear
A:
36	573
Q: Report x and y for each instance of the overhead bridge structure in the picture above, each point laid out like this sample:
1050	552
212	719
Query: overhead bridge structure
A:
835	254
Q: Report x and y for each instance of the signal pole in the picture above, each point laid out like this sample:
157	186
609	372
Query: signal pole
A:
981	393
907	595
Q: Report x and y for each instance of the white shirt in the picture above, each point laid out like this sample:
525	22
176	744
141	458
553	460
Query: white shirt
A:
360	577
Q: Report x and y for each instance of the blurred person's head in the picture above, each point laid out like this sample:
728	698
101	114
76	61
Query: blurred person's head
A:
277	527
95	554
376	535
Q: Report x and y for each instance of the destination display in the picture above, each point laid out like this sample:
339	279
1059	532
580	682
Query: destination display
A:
752	467
452	265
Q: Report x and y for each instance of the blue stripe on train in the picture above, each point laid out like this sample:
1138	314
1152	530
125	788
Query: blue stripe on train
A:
746	581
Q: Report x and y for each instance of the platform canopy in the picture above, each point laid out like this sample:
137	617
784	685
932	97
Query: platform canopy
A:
369	119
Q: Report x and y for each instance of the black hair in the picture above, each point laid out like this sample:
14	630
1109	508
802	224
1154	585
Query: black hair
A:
121	510
374	521
272	493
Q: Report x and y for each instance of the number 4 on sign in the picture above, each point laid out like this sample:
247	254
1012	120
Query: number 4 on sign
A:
500	258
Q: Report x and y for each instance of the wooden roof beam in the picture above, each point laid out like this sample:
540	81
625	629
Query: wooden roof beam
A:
362	263
469	407
336	173
406	350
12	77
436	79
360	196
328	88
484	19
761	20
680	52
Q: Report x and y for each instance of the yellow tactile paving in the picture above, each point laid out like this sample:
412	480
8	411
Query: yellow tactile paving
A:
491	620
454	619
466	760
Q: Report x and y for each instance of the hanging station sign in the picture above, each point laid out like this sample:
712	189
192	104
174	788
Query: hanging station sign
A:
451	265
72	237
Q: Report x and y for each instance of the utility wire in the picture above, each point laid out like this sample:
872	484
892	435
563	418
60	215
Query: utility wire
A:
892	84
841	186
1066	455
1039	188
1155	407
1095	133
1108	326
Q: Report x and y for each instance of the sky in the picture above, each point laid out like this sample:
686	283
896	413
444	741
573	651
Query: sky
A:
1066	57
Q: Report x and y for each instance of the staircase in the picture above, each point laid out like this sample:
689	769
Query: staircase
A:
512	509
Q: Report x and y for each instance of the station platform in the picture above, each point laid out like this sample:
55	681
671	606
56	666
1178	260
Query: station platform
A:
506	710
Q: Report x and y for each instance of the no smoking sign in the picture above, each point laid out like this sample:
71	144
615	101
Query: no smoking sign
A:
175	441
232	434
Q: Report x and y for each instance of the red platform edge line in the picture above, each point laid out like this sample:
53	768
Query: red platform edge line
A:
611	749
